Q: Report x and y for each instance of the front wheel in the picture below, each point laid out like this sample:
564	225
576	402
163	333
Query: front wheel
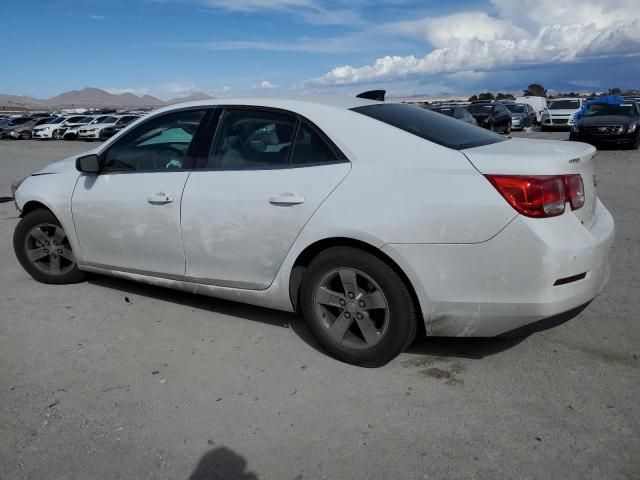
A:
56	135
43	249
357	307
25	135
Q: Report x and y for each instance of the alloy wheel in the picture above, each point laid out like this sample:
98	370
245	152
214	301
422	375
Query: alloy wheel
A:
47	248
352	308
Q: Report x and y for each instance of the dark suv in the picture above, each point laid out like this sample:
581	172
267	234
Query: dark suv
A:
492	116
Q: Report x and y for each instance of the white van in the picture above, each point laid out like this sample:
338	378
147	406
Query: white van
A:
539	104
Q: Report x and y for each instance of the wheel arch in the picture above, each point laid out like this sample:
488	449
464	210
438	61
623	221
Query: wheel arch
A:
313	250
32	205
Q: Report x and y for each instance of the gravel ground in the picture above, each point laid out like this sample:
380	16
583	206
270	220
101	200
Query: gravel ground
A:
111	379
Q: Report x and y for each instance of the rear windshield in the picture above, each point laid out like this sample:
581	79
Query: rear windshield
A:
432	126
480	108
515	108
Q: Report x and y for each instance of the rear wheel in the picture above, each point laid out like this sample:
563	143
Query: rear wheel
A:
357	307
43	249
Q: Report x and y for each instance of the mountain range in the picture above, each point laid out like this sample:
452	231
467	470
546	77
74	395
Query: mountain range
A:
95	97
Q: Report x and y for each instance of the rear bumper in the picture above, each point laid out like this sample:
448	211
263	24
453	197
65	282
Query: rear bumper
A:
494	287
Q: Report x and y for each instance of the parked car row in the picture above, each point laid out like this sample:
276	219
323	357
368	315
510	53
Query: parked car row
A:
67	127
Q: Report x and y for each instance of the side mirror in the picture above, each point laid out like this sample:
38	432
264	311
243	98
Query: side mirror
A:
88	164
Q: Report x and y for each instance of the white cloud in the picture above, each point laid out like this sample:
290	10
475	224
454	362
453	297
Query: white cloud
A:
311	11
471	42
533	14
255	5
355	42
266	85
457	28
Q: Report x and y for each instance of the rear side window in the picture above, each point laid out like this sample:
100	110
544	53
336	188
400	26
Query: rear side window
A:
310	148
249	139
431	126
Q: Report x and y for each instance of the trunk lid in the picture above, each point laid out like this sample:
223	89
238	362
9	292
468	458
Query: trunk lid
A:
520	156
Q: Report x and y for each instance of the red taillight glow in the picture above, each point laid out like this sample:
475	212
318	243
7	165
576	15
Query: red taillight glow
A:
540	196
575	190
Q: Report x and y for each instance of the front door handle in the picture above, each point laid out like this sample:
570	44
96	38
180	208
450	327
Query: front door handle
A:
159	199
286	199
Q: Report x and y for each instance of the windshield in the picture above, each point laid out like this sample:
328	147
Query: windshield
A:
109	120
431	126
564	105
515	108
599	110
57	120
480	108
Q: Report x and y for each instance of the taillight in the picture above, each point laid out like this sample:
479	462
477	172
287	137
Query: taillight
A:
575	190
540	196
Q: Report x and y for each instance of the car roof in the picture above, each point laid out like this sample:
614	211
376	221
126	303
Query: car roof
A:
284	102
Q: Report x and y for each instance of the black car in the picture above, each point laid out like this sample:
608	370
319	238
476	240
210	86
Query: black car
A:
492	116
609	124
455	111
109	132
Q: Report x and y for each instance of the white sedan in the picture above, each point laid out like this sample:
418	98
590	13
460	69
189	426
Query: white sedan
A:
367	217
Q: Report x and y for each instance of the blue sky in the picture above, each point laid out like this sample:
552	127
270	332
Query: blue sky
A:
170	48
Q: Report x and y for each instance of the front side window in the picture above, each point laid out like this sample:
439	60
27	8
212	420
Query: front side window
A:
431	126
249	139
162	143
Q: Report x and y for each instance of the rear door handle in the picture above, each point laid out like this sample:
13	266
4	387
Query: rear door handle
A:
159	199
286	199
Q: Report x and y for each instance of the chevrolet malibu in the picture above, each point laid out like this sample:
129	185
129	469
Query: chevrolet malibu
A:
368	218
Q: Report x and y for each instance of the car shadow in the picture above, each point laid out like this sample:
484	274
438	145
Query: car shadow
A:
454	347
222	463
243	311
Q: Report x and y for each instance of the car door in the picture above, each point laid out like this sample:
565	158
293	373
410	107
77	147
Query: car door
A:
267	173
128	216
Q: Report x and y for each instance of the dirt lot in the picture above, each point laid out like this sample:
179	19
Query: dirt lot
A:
110	379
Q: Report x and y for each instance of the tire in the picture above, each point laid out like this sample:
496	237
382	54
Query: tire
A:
37	257
394	324
636	144
56	135
508	130
25	135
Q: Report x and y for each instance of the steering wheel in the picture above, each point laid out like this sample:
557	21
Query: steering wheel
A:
169	157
